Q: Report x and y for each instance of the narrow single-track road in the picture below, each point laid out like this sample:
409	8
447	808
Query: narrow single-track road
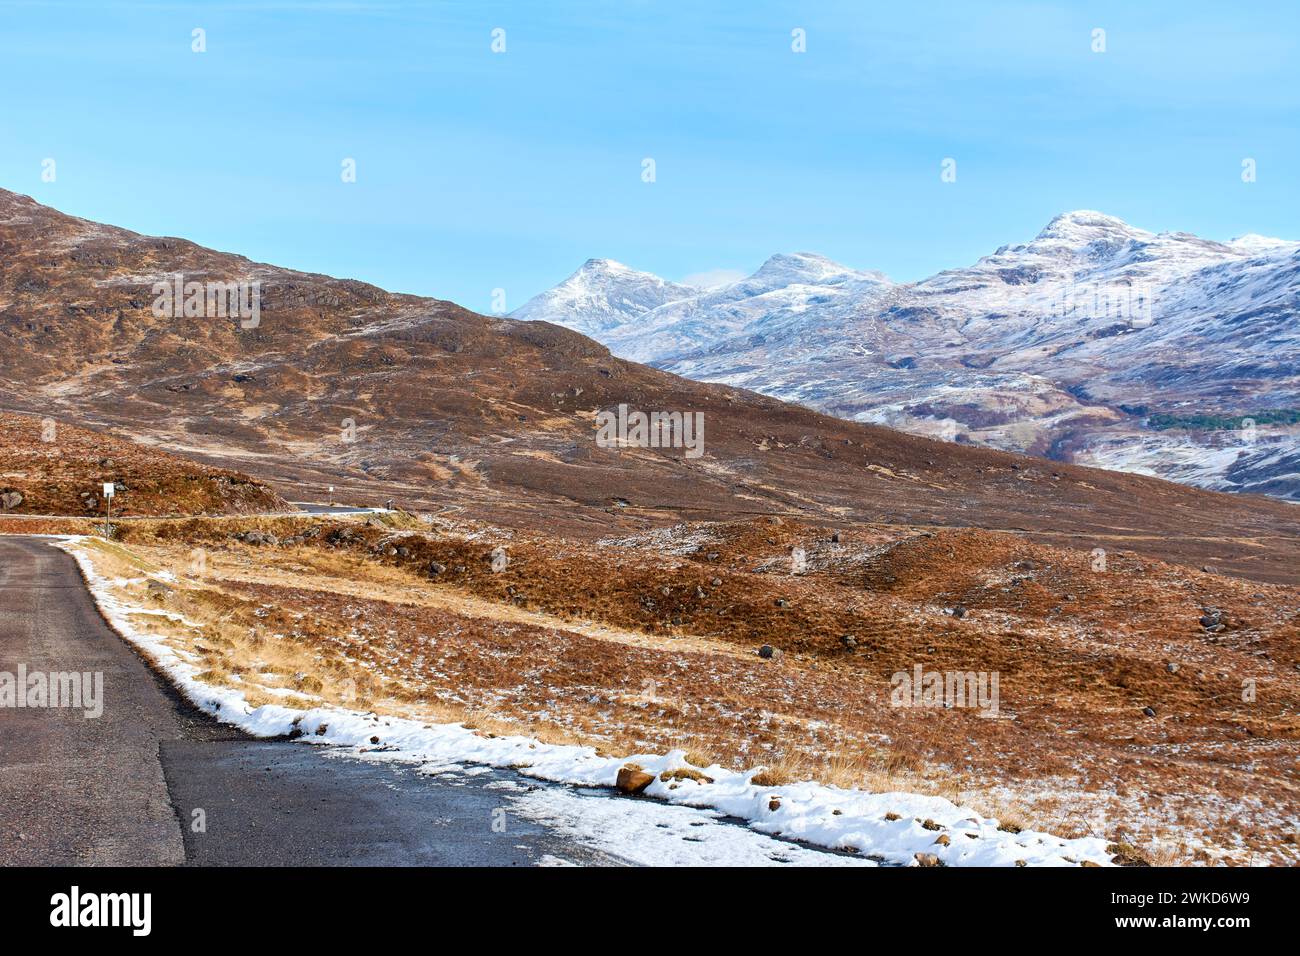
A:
123	787
151	780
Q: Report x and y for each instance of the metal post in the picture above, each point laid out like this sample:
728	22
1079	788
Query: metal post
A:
109	491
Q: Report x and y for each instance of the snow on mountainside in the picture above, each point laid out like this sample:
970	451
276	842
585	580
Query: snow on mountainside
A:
778	295
1095	342
602	296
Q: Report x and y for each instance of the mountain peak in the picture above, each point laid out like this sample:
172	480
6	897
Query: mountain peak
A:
804	268
803	260
1087	225
602	295
606	273
605	265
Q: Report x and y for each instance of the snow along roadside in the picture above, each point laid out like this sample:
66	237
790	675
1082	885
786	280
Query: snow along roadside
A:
814	813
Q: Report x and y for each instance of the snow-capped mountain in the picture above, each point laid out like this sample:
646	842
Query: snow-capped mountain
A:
777	296
1095	342
603	296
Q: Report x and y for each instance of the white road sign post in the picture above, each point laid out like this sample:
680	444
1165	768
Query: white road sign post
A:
109	490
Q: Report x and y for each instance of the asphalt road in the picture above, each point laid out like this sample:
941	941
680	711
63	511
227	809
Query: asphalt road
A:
123	788
312	508
303	508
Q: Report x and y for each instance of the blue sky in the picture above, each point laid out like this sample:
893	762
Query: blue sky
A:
478	171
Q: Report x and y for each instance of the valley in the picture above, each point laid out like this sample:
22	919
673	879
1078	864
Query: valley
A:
731	613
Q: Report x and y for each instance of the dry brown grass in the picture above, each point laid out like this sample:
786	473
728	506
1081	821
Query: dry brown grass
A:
540	652
685	773
60	469
695	750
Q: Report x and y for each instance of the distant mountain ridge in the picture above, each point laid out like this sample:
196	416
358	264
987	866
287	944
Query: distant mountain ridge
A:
346	392
1062	346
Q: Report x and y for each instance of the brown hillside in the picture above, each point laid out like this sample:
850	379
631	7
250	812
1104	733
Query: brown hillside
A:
52	468
495	417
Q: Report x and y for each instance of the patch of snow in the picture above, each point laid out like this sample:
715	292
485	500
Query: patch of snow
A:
653	833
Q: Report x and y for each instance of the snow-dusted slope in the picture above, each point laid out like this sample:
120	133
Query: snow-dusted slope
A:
786	292
1063	346
602	296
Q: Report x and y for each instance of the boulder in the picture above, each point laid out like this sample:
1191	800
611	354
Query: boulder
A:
157	590
632	779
